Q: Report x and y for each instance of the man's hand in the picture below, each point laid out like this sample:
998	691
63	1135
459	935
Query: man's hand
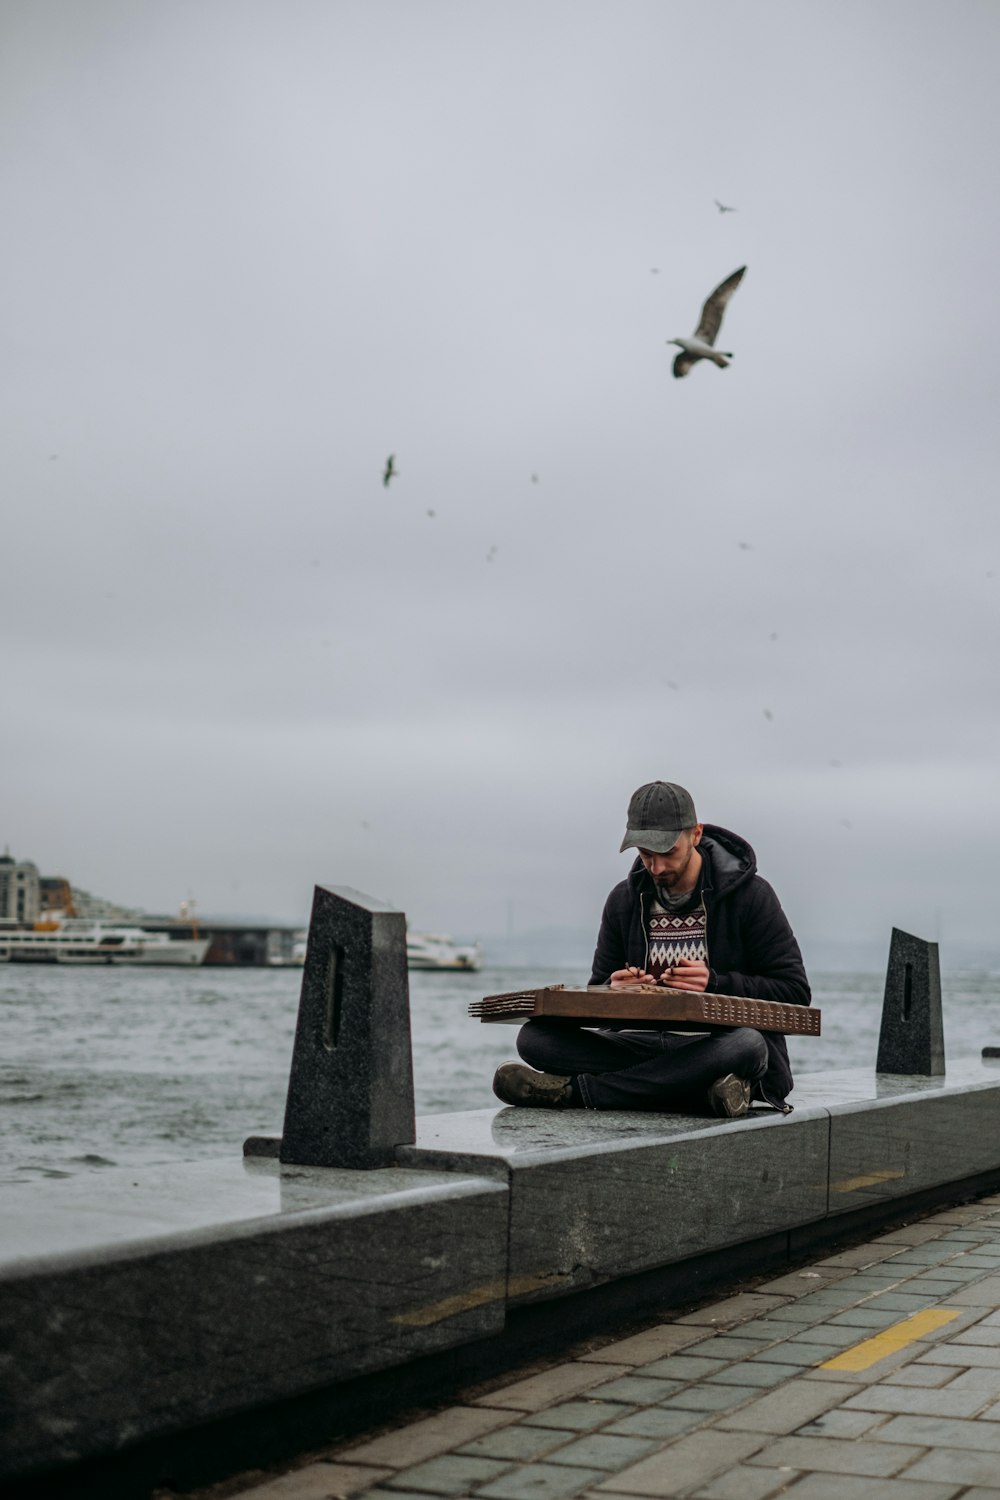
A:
623	979
688	974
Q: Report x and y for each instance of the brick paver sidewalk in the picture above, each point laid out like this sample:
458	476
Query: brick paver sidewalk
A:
871	1375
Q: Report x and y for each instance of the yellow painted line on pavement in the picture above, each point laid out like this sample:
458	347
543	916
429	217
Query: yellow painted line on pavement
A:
851	1184
862	1356
477	1296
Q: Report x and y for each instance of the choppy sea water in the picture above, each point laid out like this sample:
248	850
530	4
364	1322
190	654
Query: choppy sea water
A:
114	1067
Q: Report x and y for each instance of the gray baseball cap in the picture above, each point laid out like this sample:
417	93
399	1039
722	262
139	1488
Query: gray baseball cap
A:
658	814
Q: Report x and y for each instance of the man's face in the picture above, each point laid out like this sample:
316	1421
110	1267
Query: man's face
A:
677	870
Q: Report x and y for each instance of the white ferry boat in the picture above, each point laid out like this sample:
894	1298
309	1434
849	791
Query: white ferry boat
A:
432	950
76	941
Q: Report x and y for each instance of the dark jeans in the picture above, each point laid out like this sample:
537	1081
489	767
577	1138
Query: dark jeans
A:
642	1069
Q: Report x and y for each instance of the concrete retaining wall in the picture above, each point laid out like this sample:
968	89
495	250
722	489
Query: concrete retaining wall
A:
142	1302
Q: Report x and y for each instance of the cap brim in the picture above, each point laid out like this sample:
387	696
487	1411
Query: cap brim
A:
656	840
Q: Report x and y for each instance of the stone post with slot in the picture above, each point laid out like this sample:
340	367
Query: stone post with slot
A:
350	1090
912	1036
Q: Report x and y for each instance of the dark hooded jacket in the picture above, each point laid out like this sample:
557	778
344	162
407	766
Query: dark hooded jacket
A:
751	947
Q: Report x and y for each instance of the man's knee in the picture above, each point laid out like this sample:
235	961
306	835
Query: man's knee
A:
752	1053
534	1043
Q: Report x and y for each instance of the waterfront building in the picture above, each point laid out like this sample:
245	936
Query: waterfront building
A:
19	890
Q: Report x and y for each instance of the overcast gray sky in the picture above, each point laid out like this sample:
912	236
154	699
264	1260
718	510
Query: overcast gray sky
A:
251	247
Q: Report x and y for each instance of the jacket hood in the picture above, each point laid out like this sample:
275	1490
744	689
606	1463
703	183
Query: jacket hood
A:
728	861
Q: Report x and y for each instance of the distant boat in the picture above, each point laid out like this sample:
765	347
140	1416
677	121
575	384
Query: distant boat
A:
432	950
77	941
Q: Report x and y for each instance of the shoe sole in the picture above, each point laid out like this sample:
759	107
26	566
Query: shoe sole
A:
730	1097
521	1086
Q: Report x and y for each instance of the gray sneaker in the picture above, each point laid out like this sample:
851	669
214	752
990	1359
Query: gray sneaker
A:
515	1083
729	1097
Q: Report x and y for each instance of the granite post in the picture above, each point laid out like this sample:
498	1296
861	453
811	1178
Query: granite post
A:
912	1036
350	1090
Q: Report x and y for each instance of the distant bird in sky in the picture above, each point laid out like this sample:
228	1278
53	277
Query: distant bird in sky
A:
768	714
745	547
724	208
654	270
432	512
390	469
534	478
700	344
491	554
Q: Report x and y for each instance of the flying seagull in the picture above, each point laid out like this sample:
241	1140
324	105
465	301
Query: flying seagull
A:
390	469
723	208
699	345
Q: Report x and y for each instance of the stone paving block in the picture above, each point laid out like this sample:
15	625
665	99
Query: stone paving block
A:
955	1466
785	1410
551	1385
830	1299
737	1309
979	1333
764	1328
974	1379
825	1335
743	1483
640	1348
448	1474
865	1317
951	1274
689	1462
914	1401
909	1234
919	1258
603	1450
682	1367
541	1482
981	1494
839	1456
964	1354
859	1256
944	1432
516	1442
797	1283
707	1398
754	1372
904	1301
577	1416
317	1481
849	1487
427	1438
800	1354
806	1312
923	1375
657	1422
726	1346
869	1281
636	1390
840	1424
